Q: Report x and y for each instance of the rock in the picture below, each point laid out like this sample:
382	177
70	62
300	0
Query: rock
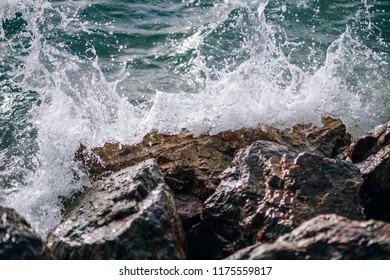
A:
328	140
191	164
371	153
189	209
369	144
130	215
17	239
268	190
326	237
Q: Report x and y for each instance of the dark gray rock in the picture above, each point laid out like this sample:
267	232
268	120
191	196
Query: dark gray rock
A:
130	215
326	237
17	240
268	190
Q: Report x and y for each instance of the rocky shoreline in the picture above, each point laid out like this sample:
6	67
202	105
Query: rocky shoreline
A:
254	193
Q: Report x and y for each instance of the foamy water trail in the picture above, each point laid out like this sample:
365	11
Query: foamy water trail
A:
256	82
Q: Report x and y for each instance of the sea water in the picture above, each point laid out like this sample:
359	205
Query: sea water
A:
92	71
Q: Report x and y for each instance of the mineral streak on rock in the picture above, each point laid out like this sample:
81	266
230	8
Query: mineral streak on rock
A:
129	215
268	190
17	239
326	237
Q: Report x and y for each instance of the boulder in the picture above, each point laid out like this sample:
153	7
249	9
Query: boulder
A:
371	153
192	164
268	190
129	215
17	239
326	237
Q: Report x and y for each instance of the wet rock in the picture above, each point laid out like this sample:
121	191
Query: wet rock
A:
328	141
130	215
326	237
189	209
369	144
371	153
268	190
191	164
17	240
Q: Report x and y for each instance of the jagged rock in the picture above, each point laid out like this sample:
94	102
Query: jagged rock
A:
191	164
326	237
130	215
17	240
371	153
189	209
268	190
369	144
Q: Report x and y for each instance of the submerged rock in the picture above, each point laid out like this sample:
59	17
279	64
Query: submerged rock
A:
17	239
326	237
371	153
268	190
191	164
130	215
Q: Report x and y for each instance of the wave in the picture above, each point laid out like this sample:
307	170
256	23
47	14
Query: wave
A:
68	78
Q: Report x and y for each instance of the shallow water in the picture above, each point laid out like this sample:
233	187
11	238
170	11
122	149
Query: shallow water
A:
92	71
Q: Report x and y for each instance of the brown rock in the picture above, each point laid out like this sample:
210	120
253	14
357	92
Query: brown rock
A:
191	164
268	190
326	237
369	144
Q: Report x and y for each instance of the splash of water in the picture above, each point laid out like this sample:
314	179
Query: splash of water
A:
251	80
76	105
267	88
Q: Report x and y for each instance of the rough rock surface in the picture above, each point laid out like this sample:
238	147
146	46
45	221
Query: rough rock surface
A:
326	237
17	240
130	215
189	209
268	190
371	153
191	164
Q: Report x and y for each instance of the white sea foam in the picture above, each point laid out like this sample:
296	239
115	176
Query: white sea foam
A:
78	105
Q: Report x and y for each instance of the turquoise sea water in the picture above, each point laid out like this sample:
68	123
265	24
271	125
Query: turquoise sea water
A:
92	71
